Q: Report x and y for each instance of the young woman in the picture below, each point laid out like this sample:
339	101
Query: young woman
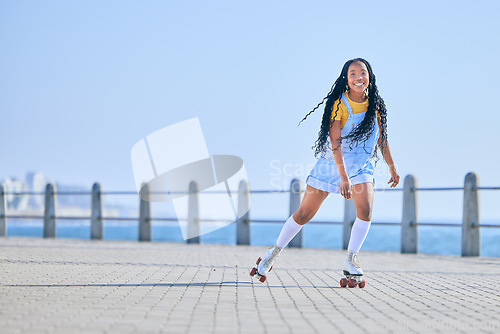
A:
354	124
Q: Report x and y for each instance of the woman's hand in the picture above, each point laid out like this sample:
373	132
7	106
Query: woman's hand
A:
386	153
394	177
346	188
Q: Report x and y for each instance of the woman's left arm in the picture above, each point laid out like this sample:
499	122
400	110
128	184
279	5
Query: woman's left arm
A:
386	153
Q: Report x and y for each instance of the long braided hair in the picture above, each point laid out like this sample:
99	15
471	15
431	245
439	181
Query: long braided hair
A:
361	132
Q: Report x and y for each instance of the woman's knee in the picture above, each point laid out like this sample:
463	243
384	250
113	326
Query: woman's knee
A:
364	213
302	216
363	198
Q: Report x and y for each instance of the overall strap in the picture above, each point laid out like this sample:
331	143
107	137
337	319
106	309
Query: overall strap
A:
346	102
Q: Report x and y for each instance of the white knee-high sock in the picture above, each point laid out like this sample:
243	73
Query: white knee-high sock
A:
358	234
289	230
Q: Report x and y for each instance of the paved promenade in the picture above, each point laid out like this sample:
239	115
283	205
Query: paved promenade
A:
74	286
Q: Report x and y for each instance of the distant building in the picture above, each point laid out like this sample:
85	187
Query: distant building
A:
36	183
16	202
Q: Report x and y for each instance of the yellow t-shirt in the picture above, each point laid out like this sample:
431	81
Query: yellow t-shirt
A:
343	114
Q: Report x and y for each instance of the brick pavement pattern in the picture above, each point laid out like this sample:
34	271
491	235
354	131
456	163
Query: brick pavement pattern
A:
75	286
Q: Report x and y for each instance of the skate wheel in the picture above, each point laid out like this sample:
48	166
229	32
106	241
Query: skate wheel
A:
258	260
262	279
253	271
362	284
271	268
352	283
343	282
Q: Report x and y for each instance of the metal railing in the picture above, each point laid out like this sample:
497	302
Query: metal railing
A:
471	245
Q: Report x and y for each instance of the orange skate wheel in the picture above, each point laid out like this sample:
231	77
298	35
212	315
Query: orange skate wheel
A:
262	279
343	282
362	284
253	271
352	283
258	260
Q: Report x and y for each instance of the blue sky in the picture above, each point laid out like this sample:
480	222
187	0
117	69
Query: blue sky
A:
82	81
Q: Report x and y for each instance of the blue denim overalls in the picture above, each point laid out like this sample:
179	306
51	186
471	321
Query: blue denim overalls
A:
358	161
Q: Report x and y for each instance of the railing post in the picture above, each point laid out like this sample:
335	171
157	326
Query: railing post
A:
243	223
49	216
471	240
409	227
295	191
3	211
349	219
96	228
193	227
144	214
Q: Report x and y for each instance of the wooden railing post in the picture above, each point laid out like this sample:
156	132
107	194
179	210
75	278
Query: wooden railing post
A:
144	214
295	192
3	211
96	228
193	225
471	238
243	223
349	219
409	227
49	216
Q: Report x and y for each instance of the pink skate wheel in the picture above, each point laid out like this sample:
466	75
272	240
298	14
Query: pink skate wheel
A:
262	279
362	284
258	260
253	271
343	282
352	283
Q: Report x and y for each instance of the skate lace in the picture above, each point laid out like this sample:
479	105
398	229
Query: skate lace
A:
355	261
274	254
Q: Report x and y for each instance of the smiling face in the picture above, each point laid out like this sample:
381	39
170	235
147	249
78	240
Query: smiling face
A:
358	77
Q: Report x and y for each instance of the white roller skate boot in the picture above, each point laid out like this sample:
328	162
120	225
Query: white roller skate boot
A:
352	272
265	264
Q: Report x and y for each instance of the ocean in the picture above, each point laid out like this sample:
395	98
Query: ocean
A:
444	240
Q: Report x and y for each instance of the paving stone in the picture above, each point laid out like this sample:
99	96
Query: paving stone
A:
75	286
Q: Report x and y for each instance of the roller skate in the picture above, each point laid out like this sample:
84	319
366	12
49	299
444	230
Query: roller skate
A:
352	272
265	265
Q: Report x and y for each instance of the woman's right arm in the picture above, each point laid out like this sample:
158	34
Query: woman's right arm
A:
335	138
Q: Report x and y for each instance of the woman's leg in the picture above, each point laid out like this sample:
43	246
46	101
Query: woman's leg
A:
362	195
311	202
313	198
